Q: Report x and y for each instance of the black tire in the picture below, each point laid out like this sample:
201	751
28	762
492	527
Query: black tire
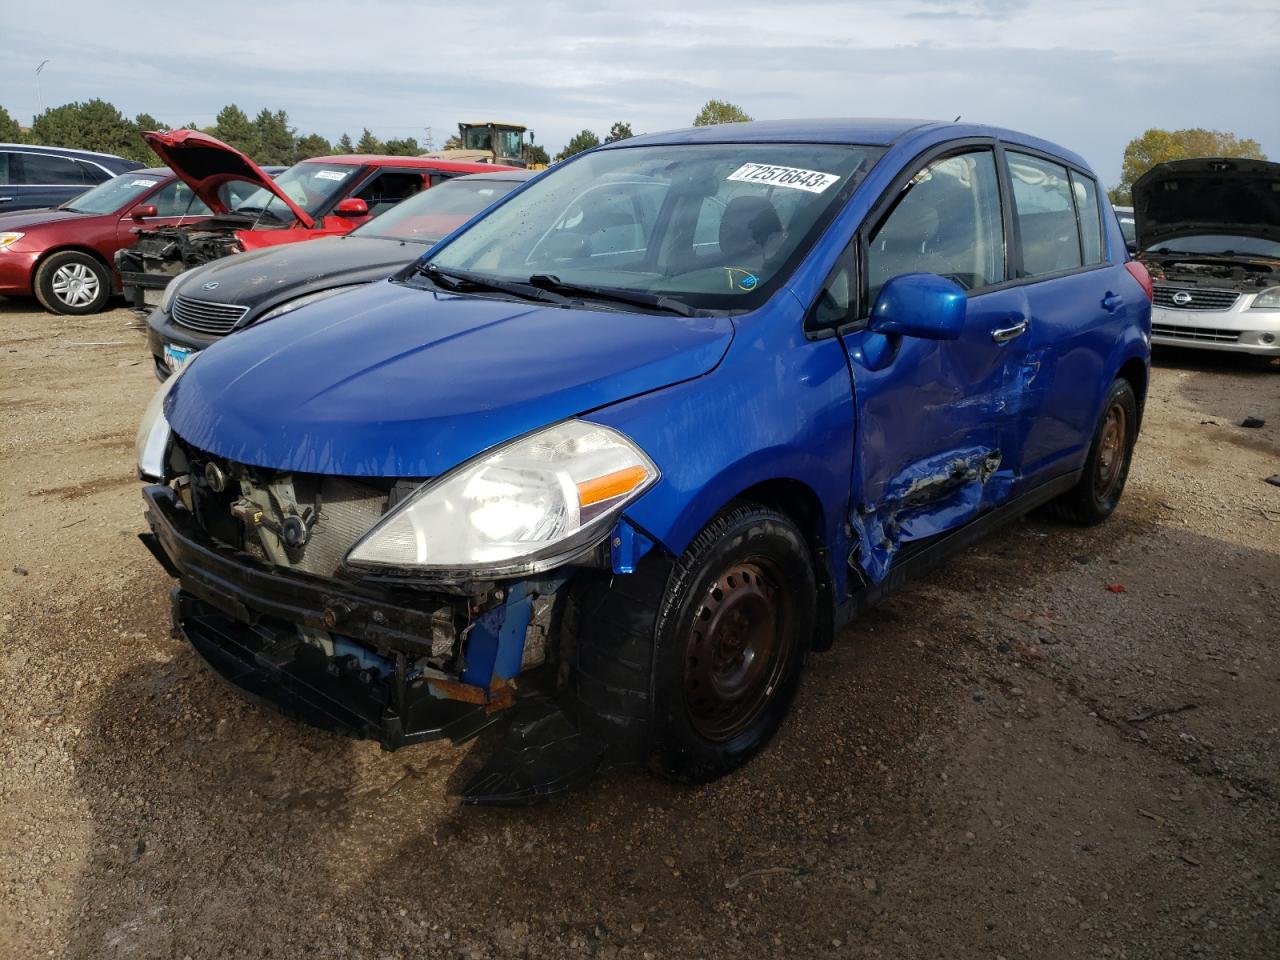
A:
73	283
642	673
1106	469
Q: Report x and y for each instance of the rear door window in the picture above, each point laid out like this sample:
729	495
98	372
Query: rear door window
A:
946	221
92	173
1046	215
41	169
5	166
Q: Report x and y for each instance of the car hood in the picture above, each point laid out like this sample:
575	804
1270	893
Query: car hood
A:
26	219
397	381
1207	195
205	163
263	278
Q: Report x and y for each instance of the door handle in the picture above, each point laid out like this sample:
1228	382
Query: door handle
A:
1005	334
1112	302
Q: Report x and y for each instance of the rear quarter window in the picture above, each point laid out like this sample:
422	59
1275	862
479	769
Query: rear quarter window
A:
1087	207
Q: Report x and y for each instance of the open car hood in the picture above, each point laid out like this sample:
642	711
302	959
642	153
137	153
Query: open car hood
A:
1207	195
205	163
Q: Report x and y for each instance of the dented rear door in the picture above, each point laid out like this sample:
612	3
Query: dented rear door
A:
938	437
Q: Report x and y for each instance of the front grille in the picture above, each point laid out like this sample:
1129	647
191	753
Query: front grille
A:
1193	298
205	317
1199	334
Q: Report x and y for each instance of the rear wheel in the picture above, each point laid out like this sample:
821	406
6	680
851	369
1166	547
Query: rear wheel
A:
1098	492
72	283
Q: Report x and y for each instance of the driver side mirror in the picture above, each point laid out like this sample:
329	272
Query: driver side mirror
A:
352	207
921	305
142	211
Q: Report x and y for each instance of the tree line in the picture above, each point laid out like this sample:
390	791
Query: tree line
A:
270	139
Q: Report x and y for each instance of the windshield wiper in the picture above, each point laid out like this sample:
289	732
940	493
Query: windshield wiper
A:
458	282
651	301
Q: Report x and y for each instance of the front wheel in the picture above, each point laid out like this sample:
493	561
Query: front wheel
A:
1106	469
732	630
73	283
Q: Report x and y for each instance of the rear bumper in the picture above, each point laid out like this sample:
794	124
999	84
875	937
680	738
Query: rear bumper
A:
243	620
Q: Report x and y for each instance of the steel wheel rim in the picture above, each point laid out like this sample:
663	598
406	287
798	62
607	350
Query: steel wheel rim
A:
75	285
1111	451
736	650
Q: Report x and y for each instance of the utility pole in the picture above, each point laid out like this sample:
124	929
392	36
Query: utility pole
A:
39	95
428	141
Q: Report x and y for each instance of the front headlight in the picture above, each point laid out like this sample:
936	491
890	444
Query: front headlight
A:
9	238
152	444
291	305
1267	300
528	506
170	291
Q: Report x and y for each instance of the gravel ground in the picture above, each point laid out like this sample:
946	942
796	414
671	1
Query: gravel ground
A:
967	774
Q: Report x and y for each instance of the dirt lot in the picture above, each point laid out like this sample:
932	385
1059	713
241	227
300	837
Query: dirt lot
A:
966	775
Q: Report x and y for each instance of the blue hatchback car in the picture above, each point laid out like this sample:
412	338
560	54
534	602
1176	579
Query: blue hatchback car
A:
607	463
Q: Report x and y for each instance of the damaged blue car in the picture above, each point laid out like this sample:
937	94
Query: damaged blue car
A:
595	474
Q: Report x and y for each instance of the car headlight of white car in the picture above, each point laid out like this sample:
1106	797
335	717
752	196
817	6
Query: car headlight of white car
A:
1268	299
530	505
152	444
291	305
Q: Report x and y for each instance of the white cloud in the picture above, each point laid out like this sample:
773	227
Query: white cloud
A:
1088	74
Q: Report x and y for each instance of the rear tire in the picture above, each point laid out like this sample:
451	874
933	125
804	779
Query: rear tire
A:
72	283
1106	469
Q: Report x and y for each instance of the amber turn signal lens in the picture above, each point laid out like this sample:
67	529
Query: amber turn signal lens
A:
599	489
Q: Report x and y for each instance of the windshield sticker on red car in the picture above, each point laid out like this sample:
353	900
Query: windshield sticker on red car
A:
813	181
330	175
144	183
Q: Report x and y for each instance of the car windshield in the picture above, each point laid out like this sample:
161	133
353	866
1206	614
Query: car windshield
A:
709	226
431	214
114	194
1220	245
310	185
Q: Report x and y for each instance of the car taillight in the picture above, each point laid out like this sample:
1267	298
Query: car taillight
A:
1141	275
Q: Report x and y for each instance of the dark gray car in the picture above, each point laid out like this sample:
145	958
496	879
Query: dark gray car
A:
33	177
229	294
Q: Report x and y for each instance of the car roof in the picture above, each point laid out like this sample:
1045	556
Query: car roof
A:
862	131
41	148
502	175
386	160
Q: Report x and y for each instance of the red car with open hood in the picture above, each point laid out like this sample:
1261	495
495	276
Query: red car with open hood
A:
320	197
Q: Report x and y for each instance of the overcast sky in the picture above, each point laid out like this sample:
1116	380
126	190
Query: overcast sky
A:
1089	75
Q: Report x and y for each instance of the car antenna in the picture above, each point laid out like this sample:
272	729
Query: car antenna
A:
957	119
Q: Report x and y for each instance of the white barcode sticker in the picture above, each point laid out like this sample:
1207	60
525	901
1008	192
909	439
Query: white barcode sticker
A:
144	183
813	181
330	175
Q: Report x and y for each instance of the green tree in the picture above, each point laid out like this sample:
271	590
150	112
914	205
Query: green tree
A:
368	143
583	140
535	153
274	140
408	147
314	145
1160	146
94	125
719	111
344	145
619	131
10	130
147	123
234	129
